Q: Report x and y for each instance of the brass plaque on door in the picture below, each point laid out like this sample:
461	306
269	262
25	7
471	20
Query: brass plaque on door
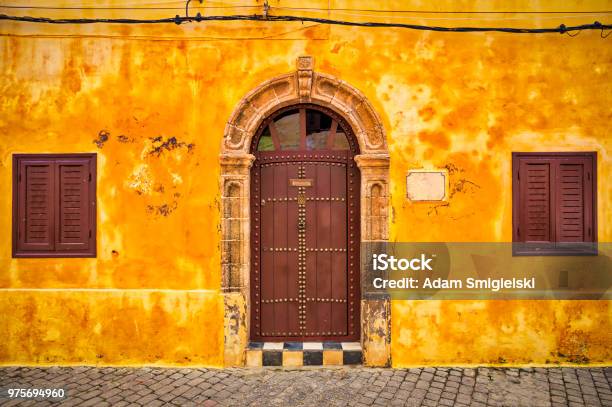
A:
300	182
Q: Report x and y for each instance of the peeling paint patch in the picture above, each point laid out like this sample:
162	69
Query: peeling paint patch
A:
376	332
102	138
176	179
235	329
159	145
463	185
125	139
141	180
163	210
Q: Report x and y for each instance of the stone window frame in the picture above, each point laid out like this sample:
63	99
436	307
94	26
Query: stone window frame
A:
301	86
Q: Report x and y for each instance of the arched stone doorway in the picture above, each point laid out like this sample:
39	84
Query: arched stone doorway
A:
305	228
302	86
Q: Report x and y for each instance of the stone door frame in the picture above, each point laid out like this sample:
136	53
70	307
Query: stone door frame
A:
302	86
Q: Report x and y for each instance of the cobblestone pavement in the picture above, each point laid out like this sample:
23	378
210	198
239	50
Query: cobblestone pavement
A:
88	386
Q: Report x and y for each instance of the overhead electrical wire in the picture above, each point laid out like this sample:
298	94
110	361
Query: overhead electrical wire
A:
332	9
117	7
521	16
344	12
286	18
440	11
226	4
267	17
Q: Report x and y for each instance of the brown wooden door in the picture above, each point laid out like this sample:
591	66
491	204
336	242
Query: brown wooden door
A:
304	281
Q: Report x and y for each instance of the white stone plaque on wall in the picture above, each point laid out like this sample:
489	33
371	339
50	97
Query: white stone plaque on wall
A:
426	185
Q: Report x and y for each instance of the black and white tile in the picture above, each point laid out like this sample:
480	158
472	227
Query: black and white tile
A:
295	354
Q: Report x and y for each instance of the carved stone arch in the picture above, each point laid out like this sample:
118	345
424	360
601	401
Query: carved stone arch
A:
302	86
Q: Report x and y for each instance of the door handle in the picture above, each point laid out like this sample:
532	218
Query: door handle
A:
301	224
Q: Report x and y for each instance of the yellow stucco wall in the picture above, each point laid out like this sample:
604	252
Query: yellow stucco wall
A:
459	101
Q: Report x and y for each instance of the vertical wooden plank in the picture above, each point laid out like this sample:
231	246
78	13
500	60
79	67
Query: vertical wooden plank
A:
516	182
592	197
339	243
281	264
267	256
324	280
255	250
536	204
292	256
353	248
570	200
311	256
91	204
548	217
589	197
72	226
36	205
553	209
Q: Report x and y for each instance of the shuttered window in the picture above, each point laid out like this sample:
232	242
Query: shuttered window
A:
554	203
54	205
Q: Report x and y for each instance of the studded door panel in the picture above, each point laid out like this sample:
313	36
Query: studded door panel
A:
305	253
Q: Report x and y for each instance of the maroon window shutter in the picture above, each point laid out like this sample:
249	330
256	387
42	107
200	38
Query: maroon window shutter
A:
73	231
54	205
535	201
554	201
34	203
573	195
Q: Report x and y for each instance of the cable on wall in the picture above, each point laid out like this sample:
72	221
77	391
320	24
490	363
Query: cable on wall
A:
187	7
562	29
155	6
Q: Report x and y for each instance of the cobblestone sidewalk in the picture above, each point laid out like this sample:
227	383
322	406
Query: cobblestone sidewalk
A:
88	386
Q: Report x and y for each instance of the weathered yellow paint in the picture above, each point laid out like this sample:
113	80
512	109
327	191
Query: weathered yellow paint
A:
500	332
462	102
111	327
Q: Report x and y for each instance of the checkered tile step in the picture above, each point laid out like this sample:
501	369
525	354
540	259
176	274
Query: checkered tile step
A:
292	354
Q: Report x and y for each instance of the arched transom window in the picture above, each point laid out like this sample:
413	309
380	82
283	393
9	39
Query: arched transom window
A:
303	129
